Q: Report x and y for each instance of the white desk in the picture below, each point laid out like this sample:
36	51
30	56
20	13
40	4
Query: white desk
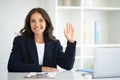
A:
65	75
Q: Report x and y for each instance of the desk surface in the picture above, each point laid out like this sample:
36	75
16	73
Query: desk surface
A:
65	75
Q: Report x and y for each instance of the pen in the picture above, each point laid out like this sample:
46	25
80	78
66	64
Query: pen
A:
41	75
44	73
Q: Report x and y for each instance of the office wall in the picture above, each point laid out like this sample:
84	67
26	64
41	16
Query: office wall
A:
12	15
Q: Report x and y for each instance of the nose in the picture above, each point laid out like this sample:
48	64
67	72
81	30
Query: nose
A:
37	23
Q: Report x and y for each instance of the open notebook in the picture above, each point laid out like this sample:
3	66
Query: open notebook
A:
49	75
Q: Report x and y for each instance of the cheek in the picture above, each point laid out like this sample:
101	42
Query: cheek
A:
31	26
45	25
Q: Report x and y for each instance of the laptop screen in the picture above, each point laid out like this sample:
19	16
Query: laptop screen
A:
106	62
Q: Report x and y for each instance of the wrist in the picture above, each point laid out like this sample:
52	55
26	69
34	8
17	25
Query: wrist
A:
71	41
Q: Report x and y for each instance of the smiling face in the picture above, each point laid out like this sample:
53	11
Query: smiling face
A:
37	23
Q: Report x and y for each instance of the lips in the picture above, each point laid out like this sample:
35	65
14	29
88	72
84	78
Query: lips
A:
38	28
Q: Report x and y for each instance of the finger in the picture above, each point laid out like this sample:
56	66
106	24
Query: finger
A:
72	28
65	32
49	69
53	69
67	27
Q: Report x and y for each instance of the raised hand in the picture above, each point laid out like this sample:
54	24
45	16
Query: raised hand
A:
69	32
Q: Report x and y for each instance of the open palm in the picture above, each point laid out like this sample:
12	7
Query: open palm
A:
69	33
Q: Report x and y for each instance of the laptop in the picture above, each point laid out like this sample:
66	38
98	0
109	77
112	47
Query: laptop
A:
106	63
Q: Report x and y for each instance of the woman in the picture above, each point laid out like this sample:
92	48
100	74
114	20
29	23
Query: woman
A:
36	49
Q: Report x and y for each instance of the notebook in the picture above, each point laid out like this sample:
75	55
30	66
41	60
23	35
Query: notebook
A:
46	75
106	62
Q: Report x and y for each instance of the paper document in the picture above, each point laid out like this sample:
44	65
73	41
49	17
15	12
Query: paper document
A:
41	75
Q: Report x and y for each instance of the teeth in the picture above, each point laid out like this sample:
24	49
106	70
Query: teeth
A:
37	28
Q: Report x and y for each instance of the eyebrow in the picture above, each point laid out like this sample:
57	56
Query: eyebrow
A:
35	19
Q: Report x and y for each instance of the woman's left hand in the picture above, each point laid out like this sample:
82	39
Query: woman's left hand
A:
69	32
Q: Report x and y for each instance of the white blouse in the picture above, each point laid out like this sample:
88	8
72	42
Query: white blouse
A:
40	50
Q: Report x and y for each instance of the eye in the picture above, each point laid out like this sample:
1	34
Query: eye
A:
32	20
41	20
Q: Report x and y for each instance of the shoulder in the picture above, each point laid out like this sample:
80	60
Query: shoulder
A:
20	39
17	38
55	42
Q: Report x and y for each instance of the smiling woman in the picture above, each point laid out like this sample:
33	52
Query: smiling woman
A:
38	26
37	23
36	49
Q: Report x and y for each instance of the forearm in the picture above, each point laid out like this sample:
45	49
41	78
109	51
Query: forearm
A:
24	68
66	60
71	48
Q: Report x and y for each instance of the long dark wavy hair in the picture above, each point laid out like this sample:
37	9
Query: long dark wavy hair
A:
48	33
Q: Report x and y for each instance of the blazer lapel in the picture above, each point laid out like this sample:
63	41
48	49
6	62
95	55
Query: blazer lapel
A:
32	49
48	54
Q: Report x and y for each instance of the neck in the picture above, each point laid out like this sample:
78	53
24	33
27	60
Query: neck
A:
39	38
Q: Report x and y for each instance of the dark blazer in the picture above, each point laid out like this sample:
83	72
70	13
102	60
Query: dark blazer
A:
24	56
